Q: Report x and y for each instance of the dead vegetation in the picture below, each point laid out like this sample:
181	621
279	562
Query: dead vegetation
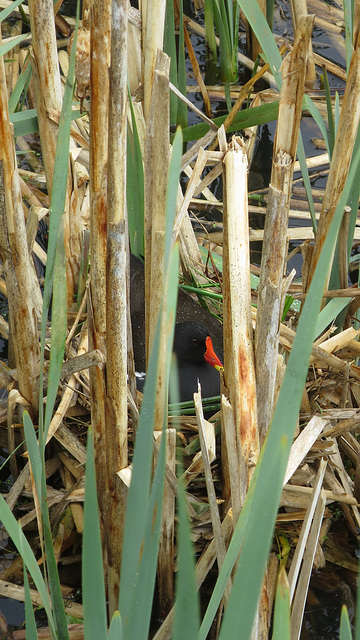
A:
323	468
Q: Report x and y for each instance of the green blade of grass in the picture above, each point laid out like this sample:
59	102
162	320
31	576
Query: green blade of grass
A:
58	327
348	18
170	49
345	629
281	628
264	35
115	631
34	453
137	626
187	611
247	118
330	114
16	534
93	587
30	624
22	82
135	188
182	118
8	10
12	44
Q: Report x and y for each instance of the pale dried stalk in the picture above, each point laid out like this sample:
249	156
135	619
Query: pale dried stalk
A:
46	77
156	174
22	286
304	579
343	149
305	530
276	222
153	18
299	10
116	298
232	458
99	78
238	344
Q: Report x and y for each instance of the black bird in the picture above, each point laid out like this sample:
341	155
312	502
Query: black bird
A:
196	361
193	328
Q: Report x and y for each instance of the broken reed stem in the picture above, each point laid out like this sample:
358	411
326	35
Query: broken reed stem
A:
48	92
238	342
343	149
46	77
270	296
99	79
153	20
21	284
299	10
116	311
156	175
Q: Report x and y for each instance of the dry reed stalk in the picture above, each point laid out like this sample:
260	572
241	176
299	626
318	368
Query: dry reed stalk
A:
156	173
305	574
270	295
99	78
153	19
299	10
21	283
344	144
46	78
116	300
166	544
238	343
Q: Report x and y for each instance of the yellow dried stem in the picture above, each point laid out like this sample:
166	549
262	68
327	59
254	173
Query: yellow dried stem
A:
153	16
238	343
46	77
156	173
100	62
276	224
299	10
116	299
21	283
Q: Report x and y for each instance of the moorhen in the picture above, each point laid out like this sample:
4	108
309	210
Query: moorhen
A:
193	328
196	361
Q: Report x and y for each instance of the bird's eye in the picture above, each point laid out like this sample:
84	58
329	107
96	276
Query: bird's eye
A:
194	341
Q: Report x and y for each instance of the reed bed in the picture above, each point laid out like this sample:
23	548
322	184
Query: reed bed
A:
122	508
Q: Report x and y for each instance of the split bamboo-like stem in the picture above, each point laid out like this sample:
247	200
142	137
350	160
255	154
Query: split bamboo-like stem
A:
299	10
22	286
116	300
344	144
99	78
153	17
239	362
46	77
156	173
48	91
275	239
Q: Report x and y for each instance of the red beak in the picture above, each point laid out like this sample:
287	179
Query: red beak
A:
210	355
